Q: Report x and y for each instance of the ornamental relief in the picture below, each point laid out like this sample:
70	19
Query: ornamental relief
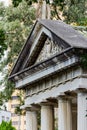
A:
50	48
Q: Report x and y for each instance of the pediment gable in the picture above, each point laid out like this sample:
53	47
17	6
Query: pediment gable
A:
49	49
46	39
45	45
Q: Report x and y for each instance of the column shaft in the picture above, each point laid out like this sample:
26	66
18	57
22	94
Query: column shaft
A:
31	120
47	118
69	115
64	115
82	111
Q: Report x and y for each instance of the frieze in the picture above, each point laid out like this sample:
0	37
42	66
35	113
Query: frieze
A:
53	81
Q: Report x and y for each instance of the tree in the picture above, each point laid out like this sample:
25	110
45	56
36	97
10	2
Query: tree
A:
6	126
71	11
75	11
17	2
3	45
17	23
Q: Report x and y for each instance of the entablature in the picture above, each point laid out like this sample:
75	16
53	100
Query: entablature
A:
64	55
46	68
53	81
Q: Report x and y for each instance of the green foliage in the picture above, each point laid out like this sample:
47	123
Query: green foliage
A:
83	59
17	23
75	12
21	102
56	7
6	126
6	94
3	45
17	2
72	11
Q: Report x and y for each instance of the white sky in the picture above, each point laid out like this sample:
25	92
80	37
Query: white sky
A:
6	2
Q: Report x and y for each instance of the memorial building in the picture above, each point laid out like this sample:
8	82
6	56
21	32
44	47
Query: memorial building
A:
50	70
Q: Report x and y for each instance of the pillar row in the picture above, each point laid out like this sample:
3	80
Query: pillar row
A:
64	114
47	118
31	120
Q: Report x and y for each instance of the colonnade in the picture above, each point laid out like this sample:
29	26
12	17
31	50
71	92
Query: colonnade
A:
64	115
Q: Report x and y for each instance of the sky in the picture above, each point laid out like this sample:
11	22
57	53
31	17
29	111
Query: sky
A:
6	2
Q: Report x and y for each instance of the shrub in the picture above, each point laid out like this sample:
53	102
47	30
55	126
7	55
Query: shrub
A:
6	126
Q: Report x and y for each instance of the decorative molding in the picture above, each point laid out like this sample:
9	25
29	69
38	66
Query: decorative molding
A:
43	73
53	81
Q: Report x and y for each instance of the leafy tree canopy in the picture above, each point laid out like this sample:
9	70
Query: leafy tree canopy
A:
3	45
17	23
17	2
73	11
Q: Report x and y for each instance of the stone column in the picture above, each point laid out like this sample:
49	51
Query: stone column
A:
31	120
47	118
69	115
82	111
64	114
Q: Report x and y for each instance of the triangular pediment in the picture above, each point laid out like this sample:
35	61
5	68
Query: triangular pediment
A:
45	45
49	49
47	38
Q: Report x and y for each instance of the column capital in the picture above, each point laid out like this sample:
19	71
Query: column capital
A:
65	96
33	107
49	102
81	90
